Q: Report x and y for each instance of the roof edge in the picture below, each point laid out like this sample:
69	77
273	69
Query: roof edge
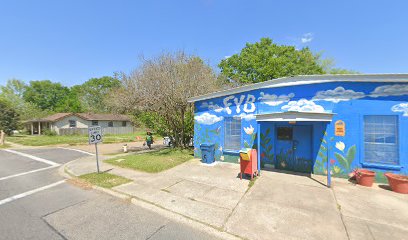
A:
306	79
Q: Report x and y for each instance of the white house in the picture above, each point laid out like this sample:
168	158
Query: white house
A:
78	123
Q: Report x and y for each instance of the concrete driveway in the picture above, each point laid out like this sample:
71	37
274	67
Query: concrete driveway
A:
289	206
278	206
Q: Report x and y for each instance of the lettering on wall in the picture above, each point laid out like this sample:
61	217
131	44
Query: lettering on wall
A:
248	106
340	128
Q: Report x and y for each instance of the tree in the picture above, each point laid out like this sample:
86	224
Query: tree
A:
9	119
14	88
158	90
46	94
265	60
71	102
12	93
92	93
328	66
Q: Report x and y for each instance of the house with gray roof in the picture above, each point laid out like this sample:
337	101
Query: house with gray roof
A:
78	123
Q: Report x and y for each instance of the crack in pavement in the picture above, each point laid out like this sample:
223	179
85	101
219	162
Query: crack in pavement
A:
53	229
160	228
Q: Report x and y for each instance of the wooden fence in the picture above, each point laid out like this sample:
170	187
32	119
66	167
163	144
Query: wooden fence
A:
106	130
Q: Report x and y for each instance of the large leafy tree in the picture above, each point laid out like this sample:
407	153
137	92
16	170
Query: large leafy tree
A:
9	119
158	90
12	93
93	92
46	94
265	60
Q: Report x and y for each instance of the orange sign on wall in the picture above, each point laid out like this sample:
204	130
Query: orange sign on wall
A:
340	128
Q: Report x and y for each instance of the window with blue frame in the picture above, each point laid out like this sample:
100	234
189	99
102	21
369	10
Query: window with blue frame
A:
232	139
381	139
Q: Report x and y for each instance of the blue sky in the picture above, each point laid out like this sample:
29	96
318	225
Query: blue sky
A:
72	41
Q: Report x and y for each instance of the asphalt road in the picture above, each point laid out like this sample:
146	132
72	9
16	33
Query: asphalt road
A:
36	203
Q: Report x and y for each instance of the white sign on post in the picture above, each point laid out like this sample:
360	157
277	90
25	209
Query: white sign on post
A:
95	134
95	137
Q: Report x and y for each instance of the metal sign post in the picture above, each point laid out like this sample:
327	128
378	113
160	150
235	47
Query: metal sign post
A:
97	160
95	137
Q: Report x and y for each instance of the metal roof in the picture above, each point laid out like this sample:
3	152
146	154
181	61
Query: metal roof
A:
307	79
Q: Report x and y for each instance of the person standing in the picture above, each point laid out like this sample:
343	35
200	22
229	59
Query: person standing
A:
149	140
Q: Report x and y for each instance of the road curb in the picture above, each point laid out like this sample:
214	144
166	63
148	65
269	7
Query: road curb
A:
218	233
185	220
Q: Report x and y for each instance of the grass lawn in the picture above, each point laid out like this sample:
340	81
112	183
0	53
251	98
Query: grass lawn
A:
4	146
44	140
153	162
105	180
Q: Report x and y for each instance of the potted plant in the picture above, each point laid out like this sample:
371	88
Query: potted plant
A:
365	177
398	183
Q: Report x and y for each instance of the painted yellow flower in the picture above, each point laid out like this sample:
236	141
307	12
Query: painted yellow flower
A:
249	130
336	169
340	145
222	158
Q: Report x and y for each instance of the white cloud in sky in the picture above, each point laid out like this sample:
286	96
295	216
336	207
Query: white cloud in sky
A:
275	100
303	105
207	119
338	94
390	90
402	107
307	37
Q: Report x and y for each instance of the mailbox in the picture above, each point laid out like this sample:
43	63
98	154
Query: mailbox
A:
207	152
249	162
245	154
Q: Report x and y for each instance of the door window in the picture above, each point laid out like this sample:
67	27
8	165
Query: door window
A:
285	133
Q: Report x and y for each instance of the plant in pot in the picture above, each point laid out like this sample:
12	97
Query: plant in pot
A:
398	183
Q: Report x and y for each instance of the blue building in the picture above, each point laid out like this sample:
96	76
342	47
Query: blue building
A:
304	123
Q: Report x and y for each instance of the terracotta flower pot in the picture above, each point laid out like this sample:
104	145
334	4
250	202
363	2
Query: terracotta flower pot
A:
398	183
365	177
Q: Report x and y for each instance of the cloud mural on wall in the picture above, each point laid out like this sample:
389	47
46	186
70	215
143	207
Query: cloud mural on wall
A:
402	107
211	106
275	100
338	94
303	105
247	117
204	105
207	118
390	90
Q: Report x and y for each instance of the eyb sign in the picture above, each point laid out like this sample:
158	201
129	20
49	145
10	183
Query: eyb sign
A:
95	134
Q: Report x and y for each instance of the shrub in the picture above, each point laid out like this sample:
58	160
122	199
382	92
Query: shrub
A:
49	132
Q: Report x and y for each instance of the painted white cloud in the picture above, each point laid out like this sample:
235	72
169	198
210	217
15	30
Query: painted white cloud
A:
207	119
275	100
204	105
307	37
247	117
402	107
338	94
390	90
303	105
211	106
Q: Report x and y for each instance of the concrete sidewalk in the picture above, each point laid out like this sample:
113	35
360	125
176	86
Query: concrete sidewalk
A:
278	206
114	148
